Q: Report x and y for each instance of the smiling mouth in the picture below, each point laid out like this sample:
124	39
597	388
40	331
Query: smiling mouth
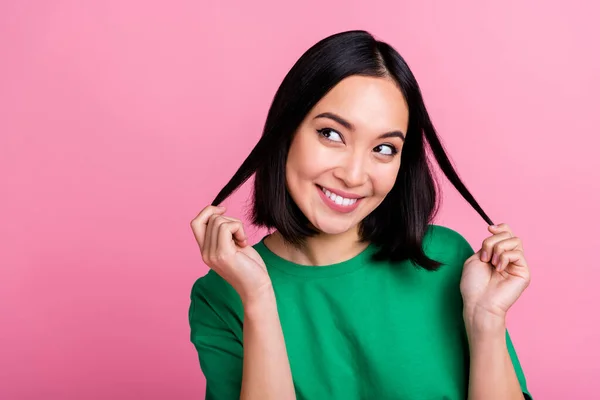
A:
339	200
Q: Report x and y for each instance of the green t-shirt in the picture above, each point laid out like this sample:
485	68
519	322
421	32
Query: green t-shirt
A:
353	330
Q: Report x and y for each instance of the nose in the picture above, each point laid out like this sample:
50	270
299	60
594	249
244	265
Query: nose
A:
352	171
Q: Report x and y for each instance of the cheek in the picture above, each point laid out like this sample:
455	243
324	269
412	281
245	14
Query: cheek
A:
302	168
298	169
305	158
385	181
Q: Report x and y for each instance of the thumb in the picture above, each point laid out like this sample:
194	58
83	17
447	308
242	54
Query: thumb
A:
493	229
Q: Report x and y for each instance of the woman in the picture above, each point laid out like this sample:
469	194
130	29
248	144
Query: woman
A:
373	301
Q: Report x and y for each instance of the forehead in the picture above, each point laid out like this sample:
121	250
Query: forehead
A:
368	102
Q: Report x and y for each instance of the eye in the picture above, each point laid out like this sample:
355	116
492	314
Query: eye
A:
330	134
390	152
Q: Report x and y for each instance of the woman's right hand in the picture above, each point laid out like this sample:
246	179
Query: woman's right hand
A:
224	248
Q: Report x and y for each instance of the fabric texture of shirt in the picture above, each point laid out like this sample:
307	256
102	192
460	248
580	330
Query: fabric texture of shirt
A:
355	330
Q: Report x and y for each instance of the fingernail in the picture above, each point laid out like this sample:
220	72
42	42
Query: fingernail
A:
493	226
484	255
495	259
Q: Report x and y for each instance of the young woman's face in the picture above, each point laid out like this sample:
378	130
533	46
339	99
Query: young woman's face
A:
345	155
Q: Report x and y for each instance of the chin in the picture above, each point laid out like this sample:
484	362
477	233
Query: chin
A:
332	227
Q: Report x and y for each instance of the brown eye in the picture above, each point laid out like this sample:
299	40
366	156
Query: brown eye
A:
330	134
390	152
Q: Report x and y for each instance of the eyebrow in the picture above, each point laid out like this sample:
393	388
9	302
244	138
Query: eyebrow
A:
351	127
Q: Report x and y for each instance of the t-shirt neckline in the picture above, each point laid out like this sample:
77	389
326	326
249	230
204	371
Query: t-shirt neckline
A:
273	260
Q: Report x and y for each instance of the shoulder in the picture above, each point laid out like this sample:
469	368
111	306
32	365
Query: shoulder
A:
440	234
213	289
213	302
444	242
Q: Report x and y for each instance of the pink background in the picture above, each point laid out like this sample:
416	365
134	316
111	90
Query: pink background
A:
120	121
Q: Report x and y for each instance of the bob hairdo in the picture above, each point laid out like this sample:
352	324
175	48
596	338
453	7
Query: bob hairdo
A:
398	225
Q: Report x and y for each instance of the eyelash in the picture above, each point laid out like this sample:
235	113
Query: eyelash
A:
321	133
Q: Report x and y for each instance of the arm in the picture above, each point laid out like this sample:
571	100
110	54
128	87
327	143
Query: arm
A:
492	374
266	370
492	280
241	357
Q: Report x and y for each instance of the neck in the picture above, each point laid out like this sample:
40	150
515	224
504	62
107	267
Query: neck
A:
322	249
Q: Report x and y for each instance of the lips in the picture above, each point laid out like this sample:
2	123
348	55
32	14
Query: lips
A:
339	207
342	194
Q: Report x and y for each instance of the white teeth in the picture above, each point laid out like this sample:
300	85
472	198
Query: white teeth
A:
338	199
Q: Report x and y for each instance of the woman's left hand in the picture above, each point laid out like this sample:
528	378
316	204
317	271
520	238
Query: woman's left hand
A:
494	277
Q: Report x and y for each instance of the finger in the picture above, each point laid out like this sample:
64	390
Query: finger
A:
208	236
487	247
239	236
199	223
227	231
514	243
514	257
213	227
500	228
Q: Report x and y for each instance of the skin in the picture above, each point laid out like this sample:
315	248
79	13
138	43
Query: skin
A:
356	161
492	280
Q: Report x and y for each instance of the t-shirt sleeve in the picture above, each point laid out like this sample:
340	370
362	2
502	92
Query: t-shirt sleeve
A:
517	366
220	351
466	251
